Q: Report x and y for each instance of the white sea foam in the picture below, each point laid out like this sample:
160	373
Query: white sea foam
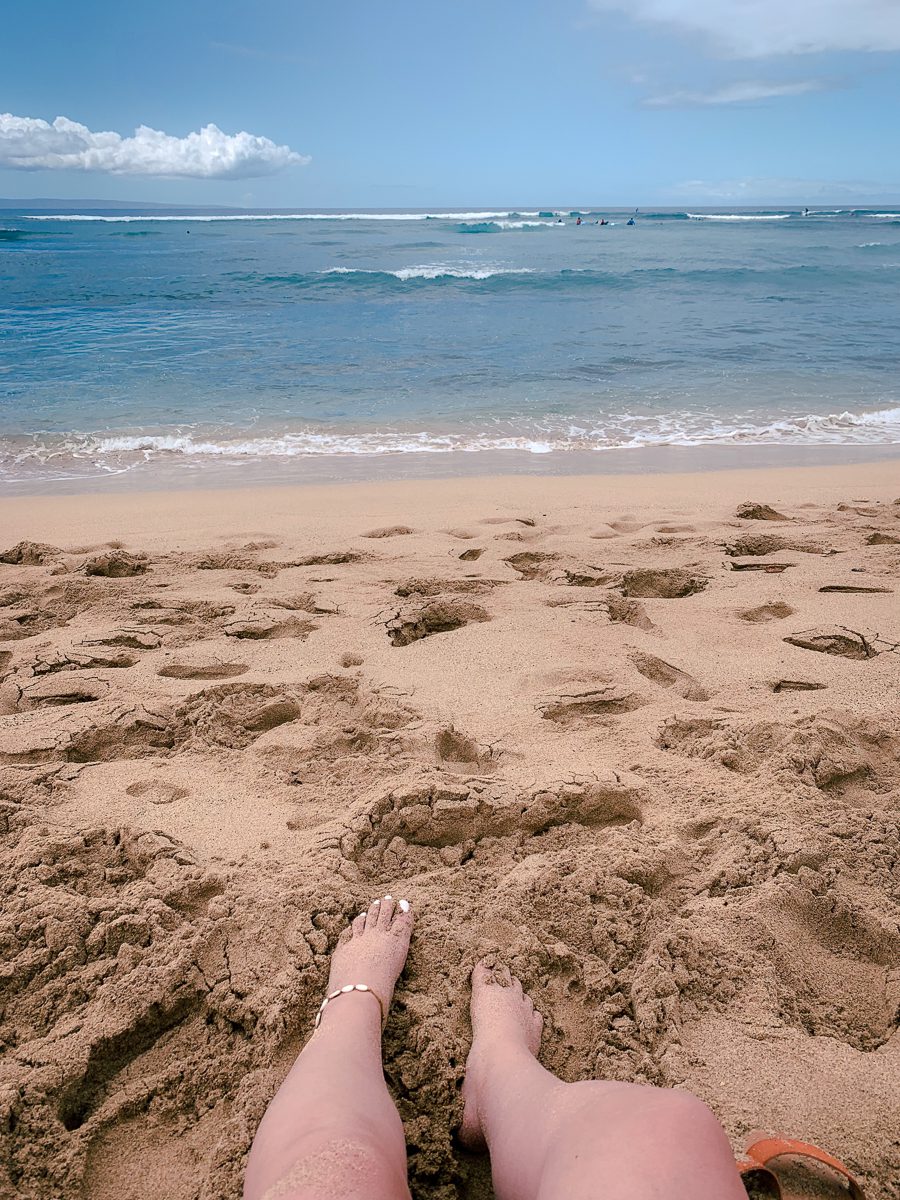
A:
505	224
115	453
299	216
738	216
434	271
894	216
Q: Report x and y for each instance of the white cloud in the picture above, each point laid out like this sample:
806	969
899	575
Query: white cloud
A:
736	93
761	28
30	144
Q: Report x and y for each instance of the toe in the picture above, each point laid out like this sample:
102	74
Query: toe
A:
403	921
386	912
504	976
358	924
481	972
372	915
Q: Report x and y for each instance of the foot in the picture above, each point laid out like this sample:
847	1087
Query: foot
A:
372	950
504	1023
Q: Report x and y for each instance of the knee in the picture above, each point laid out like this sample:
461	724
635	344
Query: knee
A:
642	1109
682	1112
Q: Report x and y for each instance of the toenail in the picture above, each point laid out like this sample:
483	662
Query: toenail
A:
363	913
376	901
404	906
389	897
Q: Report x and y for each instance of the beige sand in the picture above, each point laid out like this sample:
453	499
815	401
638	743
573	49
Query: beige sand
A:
604	726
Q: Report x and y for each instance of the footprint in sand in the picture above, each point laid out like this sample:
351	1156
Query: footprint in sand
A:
351	659
437	587
756	545
846	643
437	616
235	714
156	791
767	568
576	697
668	676
59	690
627	612
389	531
267	628
835	964
627	523
533	564
471	555
667	583
882	539
462	535
201	668
578	706
854	589
774	611
676	529
531	521
444	816
797	685
134	639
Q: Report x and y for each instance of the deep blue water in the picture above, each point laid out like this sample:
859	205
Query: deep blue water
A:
189	340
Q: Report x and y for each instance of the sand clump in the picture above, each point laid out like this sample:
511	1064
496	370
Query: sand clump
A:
665	792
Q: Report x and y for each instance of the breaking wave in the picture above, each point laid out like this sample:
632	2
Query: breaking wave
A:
738	216
111	453
437	271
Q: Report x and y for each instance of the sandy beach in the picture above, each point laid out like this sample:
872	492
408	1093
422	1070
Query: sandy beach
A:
639	734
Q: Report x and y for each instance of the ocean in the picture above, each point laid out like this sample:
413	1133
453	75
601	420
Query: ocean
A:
131	341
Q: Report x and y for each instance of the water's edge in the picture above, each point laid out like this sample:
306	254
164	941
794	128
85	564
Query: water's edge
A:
653	460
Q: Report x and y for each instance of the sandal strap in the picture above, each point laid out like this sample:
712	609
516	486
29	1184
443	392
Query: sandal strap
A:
762	1150
344	991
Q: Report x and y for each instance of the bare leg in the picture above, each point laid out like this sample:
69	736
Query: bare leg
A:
550	1140
332	1132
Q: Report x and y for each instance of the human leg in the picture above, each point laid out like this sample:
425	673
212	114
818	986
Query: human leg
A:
332	1129
551	1140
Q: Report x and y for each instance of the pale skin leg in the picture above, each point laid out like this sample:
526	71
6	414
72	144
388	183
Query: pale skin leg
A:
550	1140
332	1132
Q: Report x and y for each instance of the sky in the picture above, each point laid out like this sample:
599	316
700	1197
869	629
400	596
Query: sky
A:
286	103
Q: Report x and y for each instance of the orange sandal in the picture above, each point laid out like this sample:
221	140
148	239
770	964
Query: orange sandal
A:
755	1167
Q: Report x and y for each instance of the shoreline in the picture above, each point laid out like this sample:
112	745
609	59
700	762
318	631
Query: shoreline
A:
276	509
176	475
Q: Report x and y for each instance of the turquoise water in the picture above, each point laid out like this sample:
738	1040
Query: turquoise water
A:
132	340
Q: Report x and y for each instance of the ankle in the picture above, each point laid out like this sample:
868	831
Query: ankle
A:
358	1012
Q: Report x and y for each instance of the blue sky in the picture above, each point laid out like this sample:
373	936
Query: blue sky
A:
483	103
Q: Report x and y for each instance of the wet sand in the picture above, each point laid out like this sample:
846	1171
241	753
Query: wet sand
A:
640	740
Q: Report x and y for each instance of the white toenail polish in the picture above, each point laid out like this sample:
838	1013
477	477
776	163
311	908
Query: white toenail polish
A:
376	901
404	906
362	914
389	897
